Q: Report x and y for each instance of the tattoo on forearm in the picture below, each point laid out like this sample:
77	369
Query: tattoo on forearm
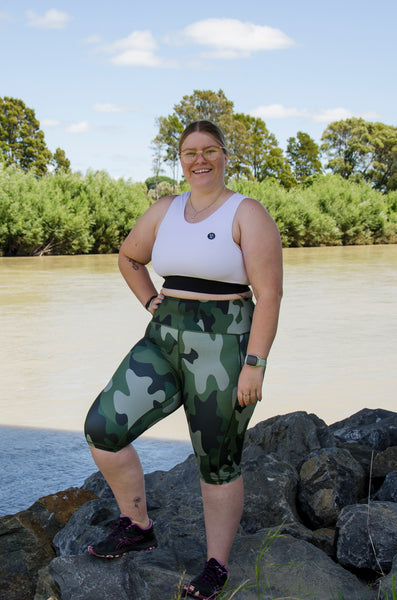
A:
134	264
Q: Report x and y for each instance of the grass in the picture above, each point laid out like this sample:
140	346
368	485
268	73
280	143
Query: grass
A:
262	588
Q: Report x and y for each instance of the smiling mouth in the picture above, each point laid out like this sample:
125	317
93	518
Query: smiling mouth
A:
200	171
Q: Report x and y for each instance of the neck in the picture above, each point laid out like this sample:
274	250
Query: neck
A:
201	199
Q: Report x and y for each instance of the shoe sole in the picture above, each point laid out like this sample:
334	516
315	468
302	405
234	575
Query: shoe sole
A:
195	593
93	553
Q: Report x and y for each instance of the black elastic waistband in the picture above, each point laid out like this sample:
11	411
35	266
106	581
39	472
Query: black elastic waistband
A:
205	286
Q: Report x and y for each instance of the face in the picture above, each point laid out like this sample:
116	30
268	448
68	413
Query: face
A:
203	172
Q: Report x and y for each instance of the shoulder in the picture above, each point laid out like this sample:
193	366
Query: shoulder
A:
251	211
156	212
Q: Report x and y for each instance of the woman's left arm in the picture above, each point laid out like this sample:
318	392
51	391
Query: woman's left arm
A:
259	239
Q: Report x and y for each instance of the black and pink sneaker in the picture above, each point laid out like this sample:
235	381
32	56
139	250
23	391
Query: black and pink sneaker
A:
125	537
211	581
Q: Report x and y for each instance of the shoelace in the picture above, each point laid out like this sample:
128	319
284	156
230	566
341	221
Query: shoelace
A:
120	527
213	574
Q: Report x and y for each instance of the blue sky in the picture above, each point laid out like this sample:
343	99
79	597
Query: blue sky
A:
98	74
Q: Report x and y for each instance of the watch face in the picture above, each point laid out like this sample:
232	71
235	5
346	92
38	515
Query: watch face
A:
251	360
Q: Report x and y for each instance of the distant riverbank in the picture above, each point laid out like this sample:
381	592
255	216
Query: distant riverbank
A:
68	213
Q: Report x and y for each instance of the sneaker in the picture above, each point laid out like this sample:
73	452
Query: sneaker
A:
210	582
126	536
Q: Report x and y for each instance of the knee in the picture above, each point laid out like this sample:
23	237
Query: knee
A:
218	474
96	431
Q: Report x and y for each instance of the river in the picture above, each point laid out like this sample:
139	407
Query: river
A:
66	322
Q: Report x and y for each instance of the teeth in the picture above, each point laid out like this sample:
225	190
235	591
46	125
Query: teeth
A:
202	171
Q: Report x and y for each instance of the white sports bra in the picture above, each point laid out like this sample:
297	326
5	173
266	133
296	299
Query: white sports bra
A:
205	250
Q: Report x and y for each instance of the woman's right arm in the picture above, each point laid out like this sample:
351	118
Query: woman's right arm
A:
136	252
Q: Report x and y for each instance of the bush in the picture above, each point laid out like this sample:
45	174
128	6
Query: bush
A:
68	213
332	211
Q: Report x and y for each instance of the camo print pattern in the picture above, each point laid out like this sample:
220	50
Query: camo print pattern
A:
191	355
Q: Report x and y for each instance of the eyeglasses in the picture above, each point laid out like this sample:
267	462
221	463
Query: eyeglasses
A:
211	153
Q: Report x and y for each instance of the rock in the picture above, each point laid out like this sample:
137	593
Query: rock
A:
367	536
324	538
291	437
376	428
22	555
388	490
330	479
286	566
282	456
271	488
385	462
388	584
289	568
47	588
25	541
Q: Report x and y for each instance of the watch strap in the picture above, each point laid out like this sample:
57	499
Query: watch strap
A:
255	361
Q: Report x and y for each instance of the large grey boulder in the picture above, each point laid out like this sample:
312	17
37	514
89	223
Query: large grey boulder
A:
291	437
388	490
330	479
367	536
275	566
376	428
388	584
22	555
385	462
270	491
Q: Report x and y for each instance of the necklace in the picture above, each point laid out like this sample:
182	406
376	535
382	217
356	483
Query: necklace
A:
198	212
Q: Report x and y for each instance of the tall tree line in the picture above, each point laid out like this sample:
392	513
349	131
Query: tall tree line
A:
22	141
353	148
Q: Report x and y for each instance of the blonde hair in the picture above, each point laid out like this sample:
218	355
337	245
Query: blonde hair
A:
205	127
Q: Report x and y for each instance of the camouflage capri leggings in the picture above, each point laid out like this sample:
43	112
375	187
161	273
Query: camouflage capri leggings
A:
191	355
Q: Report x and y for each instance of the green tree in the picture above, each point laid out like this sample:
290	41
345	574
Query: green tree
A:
304	157
166	141
362	149
347	146
383	171
60	161
21	139
259	151
205	104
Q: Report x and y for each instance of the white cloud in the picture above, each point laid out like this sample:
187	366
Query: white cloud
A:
52	19
50	123
230	38
92	39
81	127
331	114
136	50
113	108
278	111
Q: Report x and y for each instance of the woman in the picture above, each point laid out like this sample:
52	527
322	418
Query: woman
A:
205	348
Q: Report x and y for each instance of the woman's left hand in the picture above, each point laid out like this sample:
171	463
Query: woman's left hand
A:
250	382
155	303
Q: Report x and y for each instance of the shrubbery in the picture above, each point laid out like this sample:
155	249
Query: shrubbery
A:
68	213
331	212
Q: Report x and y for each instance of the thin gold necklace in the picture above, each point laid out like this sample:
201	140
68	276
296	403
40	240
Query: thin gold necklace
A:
198	212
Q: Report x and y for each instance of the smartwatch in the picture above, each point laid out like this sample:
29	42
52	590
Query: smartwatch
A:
254	361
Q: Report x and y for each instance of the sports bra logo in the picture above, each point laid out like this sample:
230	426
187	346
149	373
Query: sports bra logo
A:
211	236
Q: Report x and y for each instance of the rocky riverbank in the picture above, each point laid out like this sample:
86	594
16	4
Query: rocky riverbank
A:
320	522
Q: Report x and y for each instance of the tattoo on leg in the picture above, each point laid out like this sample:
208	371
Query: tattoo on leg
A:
137	500
134	264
